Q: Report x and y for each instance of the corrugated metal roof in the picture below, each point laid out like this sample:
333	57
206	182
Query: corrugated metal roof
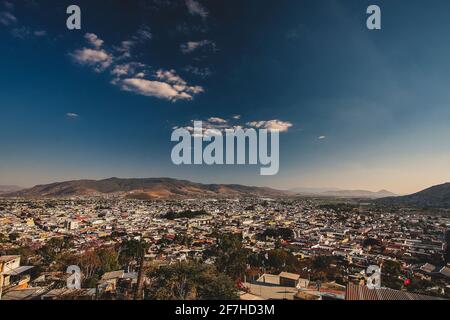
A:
17	271
356	292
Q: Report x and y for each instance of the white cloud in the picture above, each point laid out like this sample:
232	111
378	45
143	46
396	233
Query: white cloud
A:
237	117
121	70
195	8
177	82
95	41
130	76
322	137
170	76
271	125
191	46
99	59
72	115
216	126
217	120
125	48
7	18
157	89
129	69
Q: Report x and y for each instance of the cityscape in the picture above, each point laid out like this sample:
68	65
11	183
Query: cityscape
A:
252	153
288	247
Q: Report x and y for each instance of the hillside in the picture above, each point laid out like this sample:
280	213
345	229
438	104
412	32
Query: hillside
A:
434	197
151	188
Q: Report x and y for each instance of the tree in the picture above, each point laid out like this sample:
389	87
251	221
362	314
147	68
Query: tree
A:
231	257
3	238
90	263
54	247
282	260
191	281
109	259
13	236
390	273
130	252
322	262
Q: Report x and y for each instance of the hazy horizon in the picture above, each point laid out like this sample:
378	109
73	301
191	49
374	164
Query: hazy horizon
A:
358	109
312	189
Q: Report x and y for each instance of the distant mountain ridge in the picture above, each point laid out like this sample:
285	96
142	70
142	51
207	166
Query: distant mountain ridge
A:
360	194
8	189
434	197
330	192
150	188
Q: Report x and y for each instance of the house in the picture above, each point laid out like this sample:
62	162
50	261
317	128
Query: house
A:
292	280
12	274
445	271
276	287
284	279
428	268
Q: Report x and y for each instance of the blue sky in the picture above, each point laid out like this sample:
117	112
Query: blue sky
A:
359	109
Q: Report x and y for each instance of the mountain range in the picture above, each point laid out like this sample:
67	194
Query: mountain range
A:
167	188
151	188
338	193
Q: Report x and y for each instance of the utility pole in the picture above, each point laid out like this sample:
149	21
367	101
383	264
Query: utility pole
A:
1	279
140	280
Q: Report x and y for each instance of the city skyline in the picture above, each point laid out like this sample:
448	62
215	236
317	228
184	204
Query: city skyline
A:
357	109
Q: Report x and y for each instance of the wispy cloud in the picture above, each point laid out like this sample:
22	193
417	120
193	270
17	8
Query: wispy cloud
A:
136	69
8	5
72	115
153	89
192	46
40	33
322	137
165	85
271	125
7	18
195	8
217	120
124	49
97	58
197	71
25	32
95	41
216	126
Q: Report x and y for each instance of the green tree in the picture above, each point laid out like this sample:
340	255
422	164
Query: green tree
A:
390	274
54	247
109	259
231	257
190	281
282	260
130	252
